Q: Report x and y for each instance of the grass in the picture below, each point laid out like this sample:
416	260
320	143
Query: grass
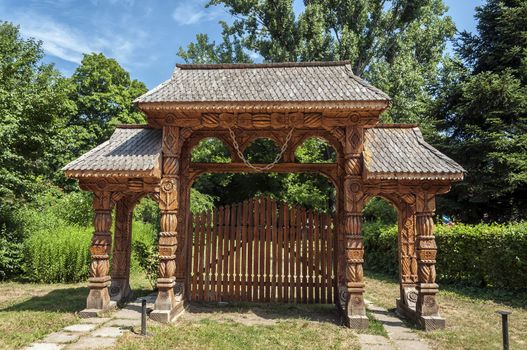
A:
471	319
29	311
249	326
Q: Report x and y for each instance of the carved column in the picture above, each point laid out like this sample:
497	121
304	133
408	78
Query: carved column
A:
354	246
407	256
120	288
99	280
427	308
166	306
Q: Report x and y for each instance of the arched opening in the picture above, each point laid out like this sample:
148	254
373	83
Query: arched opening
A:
380	234
210	150
261	151
315	150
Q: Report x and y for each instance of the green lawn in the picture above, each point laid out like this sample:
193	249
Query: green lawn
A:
28	312
471	319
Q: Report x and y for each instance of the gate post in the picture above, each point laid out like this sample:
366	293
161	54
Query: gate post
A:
355	310
99	299
167	305
427	308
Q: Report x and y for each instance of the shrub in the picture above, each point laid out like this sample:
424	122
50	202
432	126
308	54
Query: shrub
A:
476	255
58	255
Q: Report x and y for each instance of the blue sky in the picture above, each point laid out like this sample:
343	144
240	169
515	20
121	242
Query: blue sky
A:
143	35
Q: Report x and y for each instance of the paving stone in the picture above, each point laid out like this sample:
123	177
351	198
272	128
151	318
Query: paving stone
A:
400	333
411	345
95	320
61	337
123	322
112	332
129	313
80	328
88	342
44	346
371	339
376	347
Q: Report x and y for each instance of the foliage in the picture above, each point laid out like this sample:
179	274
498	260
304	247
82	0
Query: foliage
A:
476	255
481	114
380	211
11	258
315	150
58	255
33	106
211	150
103	93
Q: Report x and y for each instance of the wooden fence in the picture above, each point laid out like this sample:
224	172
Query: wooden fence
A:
259	250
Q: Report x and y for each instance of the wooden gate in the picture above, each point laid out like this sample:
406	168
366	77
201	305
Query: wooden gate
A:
260	250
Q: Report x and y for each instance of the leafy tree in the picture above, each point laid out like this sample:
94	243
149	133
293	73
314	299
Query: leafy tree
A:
482	114
103	93
34	106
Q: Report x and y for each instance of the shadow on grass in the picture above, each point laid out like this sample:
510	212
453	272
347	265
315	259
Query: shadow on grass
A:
322	313
59	300
517	299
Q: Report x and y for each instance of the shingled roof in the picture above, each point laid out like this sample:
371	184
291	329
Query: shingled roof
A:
400	152
279	82
131	152
395	152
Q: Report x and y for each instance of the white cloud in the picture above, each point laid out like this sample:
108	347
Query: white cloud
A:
69	44
192	12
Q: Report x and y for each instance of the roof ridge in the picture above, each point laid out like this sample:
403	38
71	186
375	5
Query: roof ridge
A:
261	65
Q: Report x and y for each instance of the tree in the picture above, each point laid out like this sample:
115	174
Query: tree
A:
103	94
482	114
34	107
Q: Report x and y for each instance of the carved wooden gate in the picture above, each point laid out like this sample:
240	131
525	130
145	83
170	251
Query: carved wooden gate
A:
261	250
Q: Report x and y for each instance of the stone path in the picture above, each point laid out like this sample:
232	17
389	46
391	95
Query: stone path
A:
96	333
399	335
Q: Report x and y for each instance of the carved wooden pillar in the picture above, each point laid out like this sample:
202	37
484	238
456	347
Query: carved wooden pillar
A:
407	256
166	306
99	299
354	246
427	308
120	288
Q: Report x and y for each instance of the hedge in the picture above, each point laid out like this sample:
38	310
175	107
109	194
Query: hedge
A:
475	255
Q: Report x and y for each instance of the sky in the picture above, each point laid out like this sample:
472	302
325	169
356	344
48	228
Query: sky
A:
142	35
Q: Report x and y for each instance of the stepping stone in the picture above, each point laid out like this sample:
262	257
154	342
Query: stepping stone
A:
129	313
112	332
95	320
44	346
80	328
123	322
88	342
61	337
369	339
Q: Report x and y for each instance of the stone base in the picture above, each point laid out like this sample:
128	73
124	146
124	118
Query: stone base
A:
88	313
167	316
426	323
356	321
431	323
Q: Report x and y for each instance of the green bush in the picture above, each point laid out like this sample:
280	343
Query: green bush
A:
475	255
58	255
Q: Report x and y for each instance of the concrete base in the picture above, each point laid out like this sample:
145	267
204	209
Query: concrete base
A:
88	313
167	316
426	323
356	322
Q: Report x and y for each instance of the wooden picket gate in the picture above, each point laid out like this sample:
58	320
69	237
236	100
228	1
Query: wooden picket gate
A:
259	250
